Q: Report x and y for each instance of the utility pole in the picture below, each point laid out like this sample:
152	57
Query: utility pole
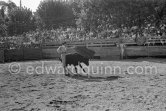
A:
20	9
20	3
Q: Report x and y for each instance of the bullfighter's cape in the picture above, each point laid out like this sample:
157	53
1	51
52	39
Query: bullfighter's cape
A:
82	50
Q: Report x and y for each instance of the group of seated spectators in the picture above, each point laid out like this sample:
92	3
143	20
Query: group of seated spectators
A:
71	34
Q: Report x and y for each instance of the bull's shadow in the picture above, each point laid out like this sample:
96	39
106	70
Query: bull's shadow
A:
86	78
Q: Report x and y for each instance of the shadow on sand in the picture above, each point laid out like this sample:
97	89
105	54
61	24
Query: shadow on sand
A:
86	78
161	60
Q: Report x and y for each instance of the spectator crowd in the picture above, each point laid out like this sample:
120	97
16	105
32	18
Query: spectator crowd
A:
39	37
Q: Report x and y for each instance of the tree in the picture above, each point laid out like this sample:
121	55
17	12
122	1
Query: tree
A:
6	7
21	20
3	28
102	15
54	14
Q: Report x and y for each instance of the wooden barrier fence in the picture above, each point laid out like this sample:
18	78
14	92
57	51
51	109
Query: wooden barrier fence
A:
104	50
1	56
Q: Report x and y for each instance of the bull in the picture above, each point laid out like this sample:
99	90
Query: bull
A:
76	60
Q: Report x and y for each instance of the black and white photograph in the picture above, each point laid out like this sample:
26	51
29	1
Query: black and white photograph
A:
82	55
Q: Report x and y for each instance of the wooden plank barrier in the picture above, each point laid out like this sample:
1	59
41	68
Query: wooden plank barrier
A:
136	51
105	49
146	51
50	53
2	56
14	55
106	52
32	53
157	51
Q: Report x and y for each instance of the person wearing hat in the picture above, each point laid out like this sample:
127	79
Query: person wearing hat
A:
63	50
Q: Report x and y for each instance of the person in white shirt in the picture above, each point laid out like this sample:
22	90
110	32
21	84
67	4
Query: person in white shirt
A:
63	50
121	46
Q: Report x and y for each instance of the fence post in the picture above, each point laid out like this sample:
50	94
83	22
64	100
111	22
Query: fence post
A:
23	53
41	52
121	51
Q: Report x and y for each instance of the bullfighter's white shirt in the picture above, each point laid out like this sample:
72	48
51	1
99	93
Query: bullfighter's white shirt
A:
62	49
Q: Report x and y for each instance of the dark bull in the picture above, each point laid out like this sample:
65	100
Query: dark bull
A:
75	60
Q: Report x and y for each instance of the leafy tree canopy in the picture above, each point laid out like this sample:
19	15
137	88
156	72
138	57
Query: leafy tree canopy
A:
55	14
113	14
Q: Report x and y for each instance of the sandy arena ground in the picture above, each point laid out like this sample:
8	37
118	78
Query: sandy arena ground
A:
56	92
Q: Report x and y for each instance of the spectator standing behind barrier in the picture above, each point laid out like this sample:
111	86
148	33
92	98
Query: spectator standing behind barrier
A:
63	50
122	46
